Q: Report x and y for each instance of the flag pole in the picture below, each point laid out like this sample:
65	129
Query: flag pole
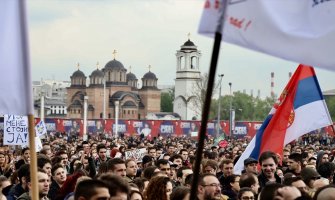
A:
33	158
206	106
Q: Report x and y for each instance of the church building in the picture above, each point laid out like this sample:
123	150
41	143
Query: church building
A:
118	87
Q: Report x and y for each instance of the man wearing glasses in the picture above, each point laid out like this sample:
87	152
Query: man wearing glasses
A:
209	187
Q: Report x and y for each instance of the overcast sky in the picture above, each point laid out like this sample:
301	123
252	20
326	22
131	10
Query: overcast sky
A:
144	32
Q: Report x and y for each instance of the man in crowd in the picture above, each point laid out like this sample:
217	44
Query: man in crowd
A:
250	180
208	187
91	190
182	173
118	187
25	158
164	166
58	179
117	166
102	155
43	186
227	167
21	187
250	165
44	163
131	170
294	163
268	161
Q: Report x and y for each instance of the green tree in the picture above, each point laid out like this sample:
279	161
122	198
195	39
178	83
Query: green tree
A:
167	101
330	101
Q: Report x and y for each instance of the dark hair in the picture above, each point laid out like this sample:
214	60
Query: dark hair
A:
175	156
140	183
189	179
297	157
115	184
156	189
326	169
289	180
102	168
24	171
42	160
243	190
24	150
269	190
247	180
87	188
149	171
179	193
100	146
228	180
161	162
266	155
112	162
55	167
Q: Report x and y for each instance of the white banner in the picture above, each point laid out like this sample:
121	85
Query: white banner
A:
298	30
15	78
136	154
15	130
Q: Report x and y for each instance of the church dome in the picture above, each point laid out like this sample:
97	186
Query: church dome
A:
78	74
97	73
131	76
188	45
149	75
114	65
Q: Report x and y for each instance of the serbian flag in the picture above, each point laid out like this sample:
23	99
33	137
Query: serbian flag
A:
297	30
15	77
300	109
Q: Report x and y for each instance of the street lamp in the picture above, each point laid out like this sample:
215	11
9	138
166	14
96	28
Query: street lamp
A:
219	105
230	110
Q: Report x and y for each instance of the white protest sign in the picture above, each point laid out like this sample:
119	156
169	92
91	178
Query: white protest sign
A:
38	144
136	154
15	130
40	128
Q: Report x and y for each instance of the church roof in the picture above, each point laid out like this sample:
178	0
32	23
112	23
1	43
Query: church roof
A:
188	45
114	65
131	76
150	75
97	73
78	73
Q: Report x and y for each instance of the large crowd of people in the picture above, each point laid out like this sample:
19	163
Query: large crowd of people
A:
98	169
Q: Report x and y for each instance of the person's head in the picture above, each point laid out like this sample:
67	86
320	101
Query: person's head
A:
58	174
184	154
246	193
135	195
326	170
250	180
294	162
268	161
232	182
102	151
152	152
180	193
64	156
309	176
296	182
171	149
117	186
227	167
91	190
44	163
250	165
269	191
325	193
131	168
43	183
208	187
23	175
210	167
25	153
117	166
159	187
312	161
164	166
149	171
286	153
177	159
182	174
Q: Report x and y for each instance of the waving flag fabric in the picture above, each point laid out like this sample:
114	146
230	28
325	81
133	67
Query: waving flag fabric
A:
15	78
298	30
300	109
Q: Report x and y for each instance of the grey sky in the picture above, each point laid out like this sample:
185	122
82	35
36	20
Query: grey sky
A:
144	32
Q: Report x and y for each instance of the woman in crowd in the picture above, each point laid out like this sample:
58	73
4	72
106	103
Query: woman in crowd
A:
159	188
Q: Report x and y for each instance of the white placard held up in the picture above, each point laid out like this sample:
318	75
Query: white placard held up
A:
15	130
40	129
136	154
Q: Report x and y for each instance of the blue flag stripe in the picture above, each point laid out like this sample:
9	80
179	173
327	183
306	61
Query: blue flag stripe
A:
308	91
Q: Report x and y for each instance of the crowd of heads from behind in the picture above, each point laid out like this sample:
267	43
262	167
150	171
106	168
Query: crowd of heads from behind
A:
163	168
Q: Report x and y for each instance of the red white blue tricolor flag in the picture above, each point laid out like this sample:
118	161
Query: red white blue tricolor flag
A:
300	109
297	30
